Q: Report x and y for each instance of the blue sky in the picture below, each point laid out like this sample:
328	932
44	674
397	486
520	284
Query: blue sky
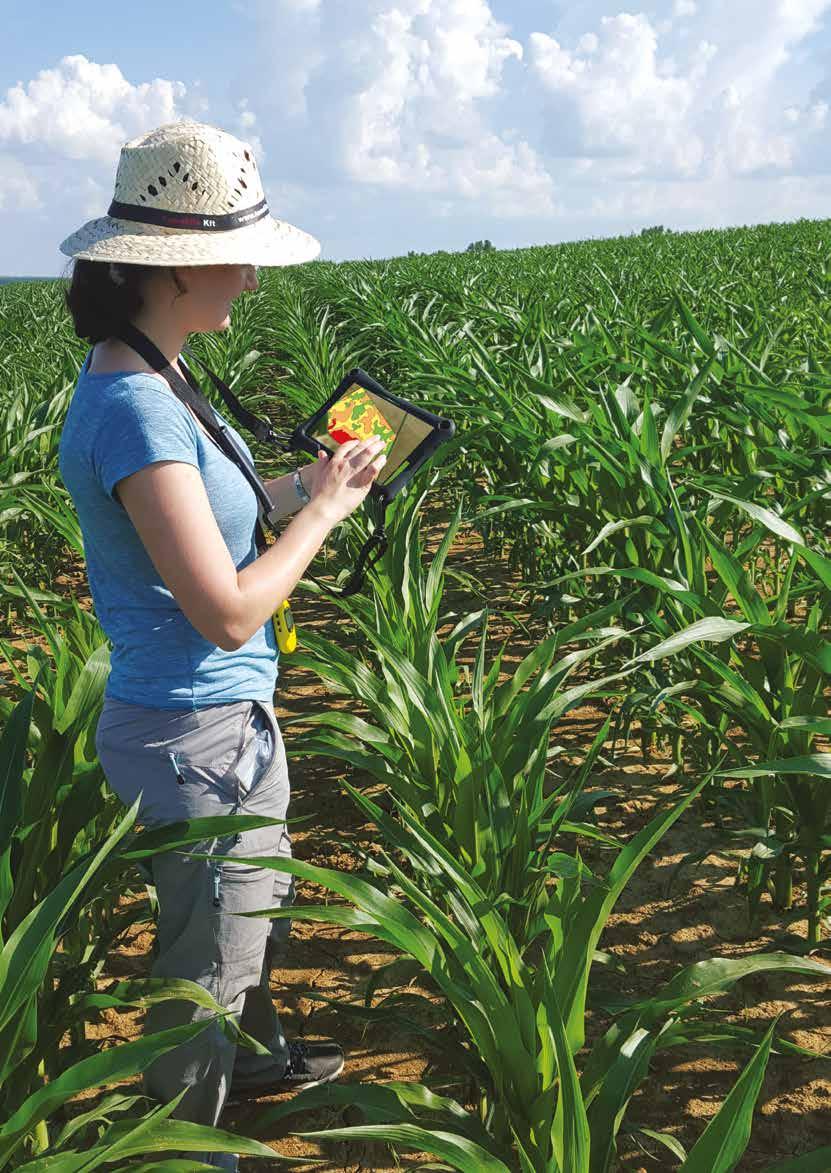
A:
386	125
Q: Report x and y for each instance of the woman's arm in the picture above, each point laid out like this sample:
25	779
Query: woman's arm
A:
169	507
283	494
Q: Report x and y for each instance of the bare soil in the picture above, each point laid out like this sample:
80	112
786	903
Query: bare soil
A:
653	932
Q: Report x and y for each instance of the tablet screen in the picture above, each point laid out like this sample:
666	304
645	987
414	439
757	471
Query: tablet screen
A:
359	414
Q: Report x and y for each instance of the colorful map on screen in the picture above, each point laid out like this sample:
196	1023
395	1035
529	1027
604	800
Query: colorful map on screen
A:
359	414
356	417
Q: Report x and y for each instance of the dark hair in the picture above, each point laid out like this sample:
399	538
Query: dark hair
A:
103	295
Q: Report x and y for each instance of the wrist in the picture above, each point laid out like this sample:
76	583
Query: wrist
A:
317	512
300	488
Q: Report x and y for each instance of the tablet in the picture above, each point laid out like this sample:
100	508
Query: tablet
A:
359	408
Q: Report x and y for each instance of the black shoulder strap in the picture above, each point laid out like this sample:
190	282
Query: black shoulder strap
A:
189	392
260	429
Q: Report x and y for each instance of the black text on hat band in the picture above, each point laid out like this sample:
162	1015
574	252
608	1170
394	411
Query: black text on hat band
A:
196	220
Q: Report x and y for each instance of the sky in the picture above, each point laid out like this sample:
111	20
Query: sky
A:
381	126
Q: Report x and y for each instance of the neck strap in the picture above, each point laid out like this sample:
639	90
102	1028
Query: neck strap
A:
189	392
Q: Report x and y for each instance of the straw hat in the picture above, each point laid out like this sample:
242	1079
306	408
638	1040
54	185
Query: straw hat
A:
189	194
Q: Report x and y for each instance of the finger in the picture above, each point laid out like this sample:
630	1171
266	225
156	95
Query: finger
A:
344	451
364	460
368	450
368	474
361	480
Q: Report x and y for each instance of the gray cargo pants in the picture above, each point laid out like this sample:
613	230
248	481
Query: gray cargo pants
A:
223	759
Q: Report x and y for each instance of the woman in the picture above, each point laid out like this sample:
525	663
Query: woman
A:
168	527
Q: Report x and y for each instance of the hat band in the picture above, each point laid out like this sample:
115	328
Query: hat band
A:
166	219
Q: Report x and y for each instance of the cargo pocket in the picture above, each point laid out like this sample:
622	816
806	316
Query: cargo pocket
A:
240	940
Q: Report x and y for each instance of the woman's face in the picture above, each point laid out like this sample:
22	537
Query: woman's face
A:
211	290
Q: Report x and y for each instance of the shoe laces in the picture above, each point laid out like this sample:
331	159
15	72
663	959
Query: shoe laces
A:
297	1057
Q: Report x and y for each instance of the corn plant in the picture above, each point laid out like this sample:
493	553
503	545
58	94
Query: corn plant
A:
68	857
531	351
775	698
49	960
470	757
524	1017
625	408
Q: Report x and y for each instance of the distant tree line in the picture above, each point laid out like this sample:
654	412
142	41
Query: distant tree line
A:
486	246
476	246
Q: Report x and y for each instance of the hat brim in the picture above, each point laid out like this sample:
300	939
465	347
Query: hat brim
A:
268	242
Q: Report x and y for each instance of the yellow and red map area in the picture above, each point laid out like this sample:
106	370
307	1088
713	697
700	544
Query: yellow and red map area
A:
355	417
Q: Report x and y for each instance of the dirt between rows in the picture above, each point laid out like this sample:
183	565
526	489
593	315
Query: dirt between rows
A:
653	934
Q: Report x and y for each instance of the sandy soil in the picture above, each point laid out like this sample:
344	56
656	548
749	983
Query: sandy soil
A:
652	933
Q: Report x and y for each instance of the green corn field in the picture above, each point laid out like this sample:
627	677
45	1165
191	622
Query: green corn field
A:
586	686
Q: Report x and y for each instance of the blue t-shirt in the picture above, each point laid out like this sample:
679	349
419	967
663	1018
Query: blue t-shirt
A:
117	423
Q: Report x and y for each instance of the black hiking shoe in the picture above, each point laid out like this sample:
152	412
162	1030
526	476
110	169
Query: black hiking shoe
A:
309	1065
312	1063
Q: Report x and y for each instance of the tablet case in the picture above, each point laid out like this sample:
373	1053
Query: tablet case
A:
360	407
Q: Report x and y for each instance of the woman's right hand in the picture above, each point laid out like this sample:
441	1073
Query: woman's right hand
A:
346	477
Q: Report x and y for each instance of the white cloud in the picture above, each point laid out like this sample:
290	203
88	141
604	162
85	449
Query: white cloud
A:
84	110
623	99
246	121
625	115
813	116
749	63
657	107
93	196
428	119
398	95
18	188
62	132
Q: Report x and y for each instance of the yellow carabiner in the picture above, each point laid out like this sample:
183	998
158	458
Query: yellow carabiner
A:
284	630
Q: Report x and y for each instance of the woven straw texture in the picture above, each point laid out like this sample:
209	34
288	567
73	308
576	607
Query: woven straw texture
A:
190	167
